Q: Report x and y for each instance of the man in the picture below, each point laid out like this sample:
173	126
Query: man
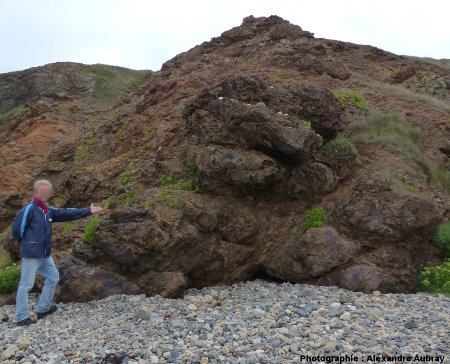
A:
32	228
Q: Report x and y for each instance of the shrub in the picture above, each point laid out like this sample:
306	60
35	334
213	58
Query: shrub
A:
436	278
442	239
126	178
15	113
351	99
9	278
340	154
314	218
90	230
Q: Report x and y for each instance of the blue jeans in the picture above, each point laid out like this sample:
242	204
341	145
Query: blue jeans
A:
28	270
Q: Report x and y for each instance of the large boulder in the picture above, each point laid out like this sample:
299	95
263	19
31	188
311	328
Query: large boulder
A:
389	268
166	284
313	179
81	282
312	254
263	129
376	213
309	102
242	147
11	246
236	167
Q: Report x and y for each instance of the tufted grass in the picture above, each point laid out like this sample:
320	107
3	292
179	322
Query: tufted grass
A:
393	132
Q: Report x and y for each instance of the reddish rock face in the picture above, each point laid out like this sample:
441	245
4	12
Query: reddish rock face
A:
208	167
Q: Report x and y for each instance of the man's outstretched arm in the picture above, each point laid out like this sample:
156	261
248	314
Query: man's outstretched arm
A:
68	214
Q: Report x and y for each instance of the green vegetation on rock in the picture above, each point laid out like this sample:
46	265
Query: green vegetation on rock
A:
9	278
120	132
81	150
431	85
69	226
305	123
436	278
90	230
108	202
178	183
126	178
339	153
351	99
14	113
167	199
165	180
127	198
442	239
189	182
314	218
146	146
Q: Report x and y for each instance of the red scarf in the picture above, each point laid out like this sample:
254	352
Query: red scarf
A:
42	205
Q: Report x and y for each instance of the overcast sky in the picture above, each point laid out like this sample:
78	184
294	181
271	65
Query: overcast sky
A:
143	34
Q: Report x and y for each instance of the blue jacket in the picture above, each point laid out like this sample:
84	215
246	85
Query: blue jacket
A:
33	229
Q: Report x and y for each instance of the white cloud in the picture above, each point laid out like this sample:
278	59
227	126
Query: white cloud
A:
143	34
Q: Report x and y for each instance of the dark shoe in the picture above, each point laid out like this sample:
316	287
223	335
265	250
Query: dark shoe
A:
41	315
26	322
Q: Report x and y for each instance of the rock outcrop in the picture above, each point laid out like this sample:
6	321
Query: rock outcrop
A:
208	168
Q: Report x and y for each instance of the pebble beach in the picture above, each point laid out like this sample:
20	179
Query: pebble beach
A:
251	322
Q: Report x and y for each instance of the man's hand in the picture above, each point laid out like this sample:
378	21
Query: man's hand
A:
95	209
